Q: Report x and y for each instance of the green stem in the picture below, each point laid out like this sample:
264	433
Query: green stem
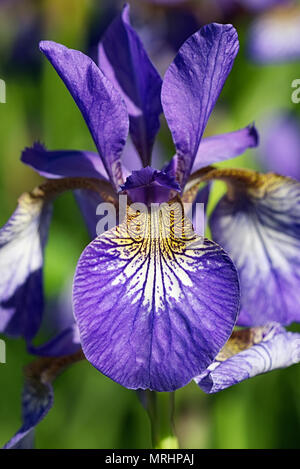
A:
160	408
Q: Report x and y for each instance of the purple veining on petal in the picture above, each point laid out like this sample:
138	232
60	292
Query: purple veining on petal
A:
151	312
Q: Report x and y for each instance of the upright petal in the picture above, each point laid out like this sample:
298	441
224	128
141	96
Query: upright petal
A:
22	242
225	146
192	85
154	308
125	62
250	352
259	227
63	163
100	104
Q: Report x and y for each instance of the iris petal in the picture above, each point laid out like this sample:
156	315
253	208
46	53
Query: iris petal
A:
22	242
280	28
37	397
37	400
250	352
66	342
125	62
100	104
260	230
64	163
152	311
192	85
225	146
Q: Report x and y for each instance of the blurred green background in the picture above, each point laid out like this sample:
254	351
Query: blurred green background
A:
90	410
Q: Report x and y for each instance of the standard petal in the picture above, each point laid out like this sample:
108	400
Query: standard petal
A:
100	104
153	308
250	352
125	62
66	342
260	230
22	242
64	163
223	147
192	85
37	400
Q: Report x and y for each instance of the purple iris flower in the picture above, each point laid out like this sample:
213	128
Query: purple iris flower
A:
152	313
154	310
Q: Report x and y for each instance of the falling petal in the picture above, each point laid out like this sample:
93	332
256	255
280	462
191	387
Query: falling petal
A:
22	243
259	227
250	352
153	302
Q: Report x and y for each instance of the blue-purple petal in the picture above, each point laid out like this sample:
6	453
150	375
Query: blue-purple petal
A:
125	62
88	202
149	185
225	146
64	163
37	400
152	311
260	230
66	342
192	85
22	243
100	104
266	348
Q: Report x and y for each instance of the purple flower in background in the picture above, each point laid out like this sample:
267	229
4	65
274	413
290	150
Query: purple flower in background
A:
274	36
279	149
